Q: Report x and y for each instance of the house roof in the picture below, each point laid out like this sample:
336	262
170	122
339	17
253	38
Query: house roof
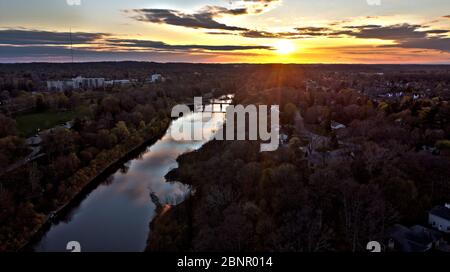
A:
336	125
414	239
35	140
441	211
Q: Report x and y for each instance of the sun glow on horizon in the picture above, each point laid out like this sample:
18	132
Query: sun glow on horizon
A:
284	47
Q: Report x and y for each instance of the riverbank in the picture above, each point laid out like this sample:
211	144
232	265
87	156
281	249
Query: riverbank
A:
127	188
170	230
86	179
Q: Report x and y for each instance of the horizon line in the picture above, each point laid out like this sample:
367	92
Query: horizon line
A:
224	63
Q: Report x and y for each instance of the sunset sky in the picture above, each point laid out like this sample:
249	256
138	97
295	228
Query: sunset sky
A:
256	31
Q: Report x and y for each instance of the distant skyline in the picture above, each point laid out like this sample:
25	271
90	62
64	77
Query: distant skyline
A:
226	31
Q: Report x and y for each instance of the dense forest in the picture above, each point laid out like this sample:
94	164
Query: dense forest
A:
325	189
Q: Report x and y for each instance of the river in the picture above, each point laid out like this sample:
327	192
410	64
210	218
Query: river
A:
115	216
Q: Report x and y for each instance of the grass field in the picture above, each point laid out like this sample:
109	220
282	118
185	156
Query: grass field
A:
29	123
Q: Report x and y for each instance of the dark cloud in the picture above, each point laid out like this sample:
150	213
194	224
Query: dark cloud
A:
264	3
298	33
442	44
35	37
32	51
313	31
259	34
205	18
405	35
61	54
362	27
399	32
257	6
219	33
144	44
339	33
393	32
23	43
437	31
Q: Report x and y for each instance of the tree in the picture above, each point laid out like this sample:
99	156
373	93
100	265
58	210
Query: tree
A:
74	100
41	104
294	144
11	149
7	126
105	139
34	177
111	105
289	113
61	141
6	205
64	166
62	101
121	131
4	95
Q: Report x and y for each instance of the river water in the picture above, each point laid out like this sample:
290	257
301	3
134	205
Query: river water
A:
115	216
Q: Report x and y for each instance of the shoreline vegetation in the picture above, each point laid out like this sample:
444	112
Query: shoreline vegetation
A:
88	175
174	223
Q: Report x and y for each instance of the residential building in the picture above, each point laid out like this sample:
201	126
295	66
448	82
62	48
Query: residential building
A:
414	239
335	125
439	218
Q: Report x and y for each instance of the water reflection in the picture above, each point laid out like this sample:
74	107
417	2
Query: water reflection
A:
115	216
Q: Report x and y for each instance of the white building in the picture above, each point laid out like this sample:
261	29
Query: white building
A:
118	82
75	83
60	85
94	83
122	82
157	78
439	218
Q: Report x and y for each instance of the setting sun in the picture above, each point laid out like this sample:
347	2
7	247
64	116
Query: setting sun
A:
284	47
